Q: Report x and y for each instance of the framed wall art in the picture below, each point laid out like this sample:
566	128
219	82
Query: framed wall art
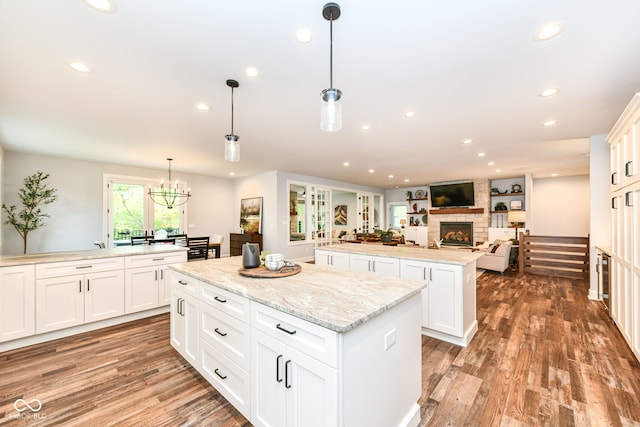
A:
340	215
251	215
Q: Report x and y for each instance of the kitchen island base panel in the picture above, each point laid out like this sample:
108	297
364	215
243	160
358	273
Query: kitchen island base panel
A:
463	342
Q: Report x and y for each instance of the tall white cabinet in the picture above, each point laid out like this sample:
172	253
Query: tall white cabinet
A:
17	296
624	140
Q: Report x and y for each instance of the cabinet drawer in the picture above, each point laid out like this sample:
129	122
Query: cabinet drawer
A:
227	334
314	340
227	302
228	378
183	282
155	259
67	268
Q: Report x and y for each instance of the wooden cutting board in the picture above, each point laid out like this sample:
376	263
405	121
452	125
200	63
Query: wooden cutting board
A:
263	272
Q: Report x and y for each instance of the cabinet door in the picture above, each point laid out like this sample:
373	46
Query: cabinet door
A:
385	266
444	291
184	325
59	303
268	398
104	295
18	299
164	286
178	322
360	263
311	391
141	289
339	260
418	271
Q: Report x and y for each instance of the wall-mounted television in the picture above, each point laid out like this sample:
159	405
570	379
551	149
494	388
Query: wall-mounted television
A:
452	195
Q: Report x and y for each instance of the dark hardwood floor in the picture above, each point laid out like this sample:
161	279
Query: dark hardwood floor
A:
544	355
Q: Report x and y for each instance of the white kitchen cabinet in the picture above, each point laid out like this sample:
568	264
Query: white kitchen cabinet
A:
294	375
17	302
624	142
184	324
339	260
66	301
385	266
145	283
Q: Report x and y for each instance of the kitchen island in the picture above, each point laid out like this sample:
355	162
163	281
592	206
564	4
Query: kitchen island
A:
51	295
322	347
449	298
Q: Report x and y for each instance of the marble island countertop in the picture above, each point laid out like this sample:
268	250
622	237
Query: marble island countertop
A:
453	255
13	260
334	299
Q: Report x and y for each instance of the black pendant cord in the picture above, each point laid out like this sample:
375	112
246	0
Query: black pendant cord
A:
331	51
231	110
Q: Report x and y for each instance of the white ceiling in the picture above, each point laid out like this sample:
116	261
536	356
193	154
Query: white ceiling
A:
468	68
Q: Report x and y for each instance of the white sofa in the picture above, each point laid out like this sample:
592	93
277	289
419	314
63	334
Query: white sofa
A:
495	261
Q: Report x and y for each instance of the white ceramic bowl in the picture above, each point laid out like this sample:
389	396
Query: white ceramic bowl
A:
274	265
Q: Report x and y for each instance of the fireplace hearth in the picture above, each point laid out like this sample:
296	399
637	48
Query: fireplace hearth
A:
456	233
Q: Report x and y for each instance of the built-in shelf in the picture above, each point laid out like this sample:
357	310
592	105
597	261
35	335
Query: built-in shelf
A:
454	211
507	194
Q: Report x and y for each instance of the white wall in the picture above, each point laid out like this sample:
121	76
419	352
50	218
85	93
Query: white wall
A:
351	201
77	215
263	185
560	206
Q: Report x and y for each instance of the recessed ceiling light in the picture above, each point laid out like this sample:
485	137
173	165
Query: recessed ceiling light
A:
498	170
549	31
232	173
491	163
406	180
203	106
365	127
554	174
106	6
80	67
482	154
548	92
303	36
371	171
467	141
345	164
410	114
390	176
550	123
251	71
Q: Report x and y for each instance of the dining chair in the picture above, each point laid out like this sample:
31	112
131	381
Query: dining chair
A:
198	248
140	240
217	239
181	239
162	241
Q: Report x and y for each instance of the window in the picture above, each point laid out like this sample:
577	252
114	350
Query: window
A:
130	211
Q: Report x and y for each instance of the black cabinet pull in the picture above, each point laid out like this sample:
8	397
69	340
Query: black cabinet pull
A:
79	286
157	259
278	379
88	285
627	168
614	204
285	330
219	299
183	283
83	266
224	377
287	384
613	178
628	199
222	334
161	274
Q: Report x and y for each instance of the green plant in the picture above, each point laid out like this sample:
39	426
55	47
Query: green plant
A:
385	236
34	193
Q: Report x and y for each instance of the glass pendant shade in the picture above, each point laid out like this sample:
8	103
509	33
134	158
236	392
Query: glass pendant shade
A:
232	148
331	110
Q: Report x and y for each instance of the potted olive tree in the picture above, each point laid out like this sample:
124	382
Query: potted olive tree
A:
33	194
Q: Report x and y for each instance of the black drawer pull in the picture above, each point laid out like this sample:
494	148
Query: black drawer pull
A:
219	299
222	334
224	377
285	330
83	266
183	283
287	384
278	379
158	259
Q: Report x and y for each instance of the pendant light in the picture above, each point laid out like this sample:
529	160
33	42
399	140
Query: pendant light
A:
171	194
331	99
232	144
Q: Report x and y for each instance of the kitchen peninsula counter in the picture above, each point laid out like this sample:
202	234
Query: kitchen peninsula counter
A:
449	255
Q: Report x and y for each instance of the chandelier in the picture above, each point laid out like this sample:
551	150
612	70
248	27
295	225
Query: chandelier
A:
171	194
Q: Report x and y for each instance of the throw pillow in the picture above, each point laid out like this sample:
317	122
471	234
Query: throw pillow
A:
342	233
494	248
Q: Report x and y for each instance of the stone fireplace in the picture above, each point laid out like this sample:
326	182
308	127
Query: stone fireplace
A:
456	233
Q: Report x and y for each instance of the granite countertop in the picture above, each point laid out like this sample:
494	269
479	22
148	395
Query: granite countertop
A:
120	251
334	299
457	256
